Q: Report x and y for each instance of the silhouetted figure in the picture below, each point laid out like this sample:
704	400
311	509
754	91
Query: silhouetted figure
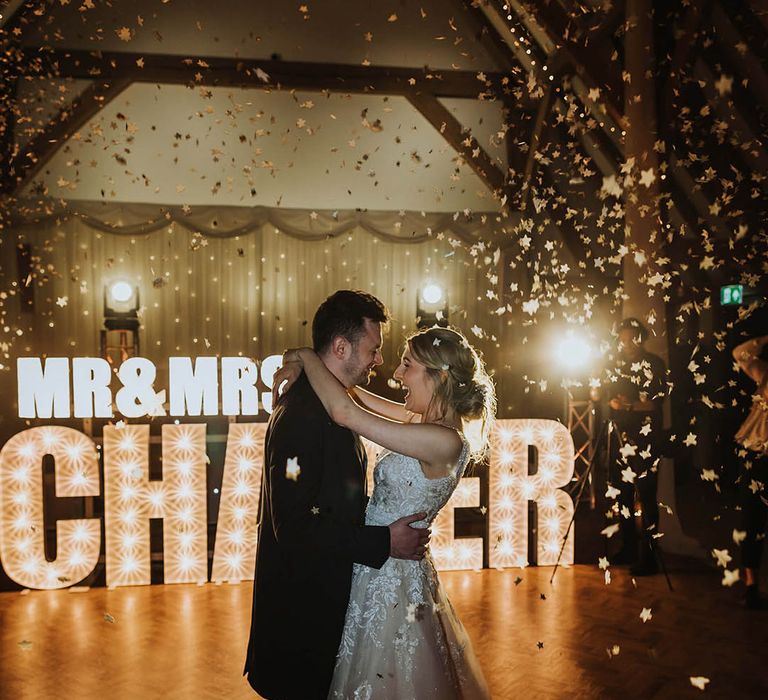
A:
637	391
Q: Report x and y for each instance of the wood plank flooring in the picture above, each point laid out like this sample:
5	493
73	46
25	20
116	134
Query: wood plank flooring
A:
188	642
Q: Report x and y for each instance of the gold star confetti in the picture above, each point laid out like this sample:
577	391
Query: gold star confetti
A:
724	85
124	33
292	469
699	682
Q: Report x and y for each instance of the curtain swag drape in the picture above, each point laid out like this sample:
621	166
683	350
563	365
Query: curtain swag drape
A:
132	219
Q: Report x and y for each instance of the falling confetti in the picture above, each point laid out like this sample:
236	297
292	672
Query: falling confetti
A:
699	682
292	469
563	246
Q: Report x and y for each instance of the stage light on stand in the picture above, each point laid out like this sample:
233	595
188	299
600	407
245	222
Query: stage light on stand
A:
121	306
121	320
431	305
575	356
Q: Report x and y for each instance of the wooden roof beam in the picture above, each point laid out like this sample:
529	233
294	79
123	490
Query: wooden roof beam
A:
33	158
461	141
266	74
591	60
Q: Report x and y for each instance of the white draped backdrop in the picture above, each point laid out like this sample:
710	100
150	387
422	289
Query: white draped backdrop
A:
229	281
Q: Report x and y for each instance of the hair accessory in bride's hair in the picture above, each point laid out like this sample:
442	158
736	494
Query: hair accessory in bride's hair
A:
446	367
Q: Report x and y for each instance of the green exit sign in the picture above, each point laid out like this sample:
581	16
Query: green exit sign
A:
731	294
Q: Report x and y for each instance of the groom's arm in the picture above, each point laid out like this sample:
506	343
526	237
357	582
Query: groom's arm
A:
297	515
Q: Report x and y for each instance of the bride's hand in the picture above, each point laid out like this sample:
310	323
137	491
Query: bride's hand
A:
291	355
285	376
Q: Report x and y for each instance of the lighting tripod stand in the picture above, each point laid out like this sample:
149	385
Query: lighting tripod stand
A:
607	429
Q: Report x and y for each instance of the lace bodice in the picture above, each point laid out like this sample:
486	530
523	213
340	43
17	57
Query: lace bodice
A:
401	636
400	488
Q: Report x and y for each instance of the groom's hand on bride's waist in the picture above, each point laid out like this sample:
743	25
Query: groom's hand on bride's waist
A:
406	542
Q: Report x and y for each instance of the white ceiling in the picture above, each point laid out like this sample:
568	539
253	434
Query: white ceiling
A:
174	145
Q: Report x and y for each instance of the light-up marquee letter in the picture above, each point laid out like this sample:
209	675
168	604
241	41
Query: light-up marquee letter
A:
234	557
179	499
131	499
22	531
512	487
448	552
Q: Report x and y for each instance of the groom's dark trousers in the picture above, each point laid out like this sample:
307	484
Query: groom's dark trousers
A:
312	529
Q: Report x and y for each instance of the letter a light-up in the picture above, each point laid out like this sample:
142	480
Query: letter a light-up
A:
22	530
179	499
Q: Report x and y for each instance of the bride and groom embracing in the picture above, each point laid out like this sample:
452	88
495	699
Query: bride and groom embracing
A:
346	600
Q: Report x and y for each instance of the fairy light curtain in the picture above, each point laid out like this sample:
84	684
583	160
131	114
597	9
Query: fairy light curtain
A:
226	280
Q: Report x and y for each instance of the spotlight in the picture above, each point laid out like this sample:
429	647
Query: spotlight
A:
121	305
121	292
431	305
432	293
573	352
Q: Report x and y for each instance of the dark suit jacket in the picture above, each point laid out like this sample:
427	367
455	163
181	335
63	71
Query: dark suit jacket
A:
311	531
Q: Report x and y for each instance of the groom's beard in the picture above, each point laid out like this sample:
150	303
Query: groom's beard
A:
360	377
363	378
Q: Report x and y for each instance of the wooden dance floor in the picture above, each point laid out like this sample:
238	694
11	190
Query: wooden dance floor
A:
580	638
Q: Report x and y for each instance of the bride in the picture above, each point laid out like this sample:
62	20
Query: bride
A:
402	638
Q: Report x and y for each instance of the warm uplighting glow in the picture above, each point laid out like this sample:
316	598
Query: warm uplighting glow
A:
22	530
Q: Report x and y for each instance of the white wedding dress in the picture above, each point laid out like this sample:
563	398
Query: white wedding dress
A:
402	640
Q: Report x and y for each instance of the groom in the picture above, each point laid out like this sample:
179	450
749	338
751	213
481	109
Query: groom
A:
312	515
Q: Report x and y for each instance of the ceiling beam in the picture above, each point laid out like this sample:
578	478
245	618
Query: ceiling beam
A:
461	141
749	66
592	60
266	74
740	116
32	159
15	13
484	32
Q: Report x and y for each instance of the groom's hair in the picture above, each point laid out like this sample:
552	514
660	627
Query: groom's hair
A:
344	313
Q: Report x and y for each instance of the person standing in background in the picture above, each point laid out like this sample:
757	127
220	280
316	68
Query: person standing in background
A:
752	359
637	391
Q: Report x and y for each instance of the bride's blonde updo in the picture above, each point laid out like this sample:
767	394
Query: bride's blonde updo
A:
462	385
